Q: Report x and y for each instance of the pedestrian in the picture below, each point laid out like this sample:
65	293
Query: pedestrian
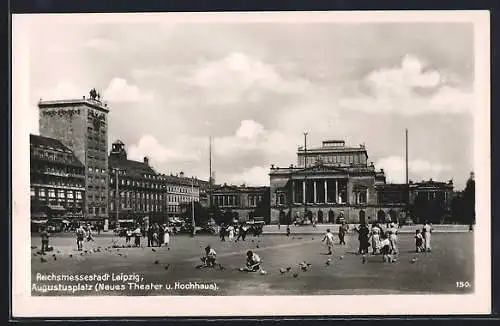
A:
128	235
80	234
150	235
89	233
363	236
288	230
222	232
427	230
329	241
242	232
230	232
375	236
419	241
137	234
386	249
392	233
44	235
166	235
342	233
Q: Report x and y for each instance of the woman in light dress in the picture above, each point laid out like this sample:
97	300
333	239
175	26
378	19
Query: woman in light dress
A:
166	236
375	239
230	231
393	238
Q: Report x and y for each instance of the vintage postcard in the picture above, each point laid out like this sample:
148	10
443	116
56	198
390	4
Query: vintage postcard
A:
251	164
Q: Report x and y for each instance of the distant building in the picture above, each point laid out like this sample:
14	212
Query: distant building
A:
57	180
81	125
331	183
431	200
138	193
179	190
338	183
135	189
243	201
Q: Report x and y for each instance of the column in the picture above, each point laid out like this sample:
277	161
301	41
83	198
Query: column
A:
303	192
293	191
336	191
326	191
367	195
315	192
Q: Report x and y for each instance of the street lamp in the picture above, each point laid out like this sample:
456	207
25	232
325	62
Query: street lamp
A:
192	206
305	175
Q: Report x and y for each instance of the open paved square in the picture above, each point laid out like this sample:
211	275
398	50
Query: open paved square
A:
173	270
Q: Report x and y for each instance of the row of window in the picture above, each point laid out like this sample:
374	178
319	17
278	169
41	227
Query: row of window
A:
337	158
52	156
137	207
96	170
101	180
59	182
56	170
96	210
231	200
52	193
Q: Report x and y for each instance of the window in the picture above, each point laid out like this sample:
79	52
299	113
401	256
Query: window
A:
103	210
78	195
41	192
69	194
52	193
60	194
33	192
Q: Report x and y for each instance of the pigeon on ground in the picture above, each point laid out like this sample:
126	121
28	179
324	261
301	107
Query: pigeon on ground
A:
156	262
295	274
221	267
263	272
167	266
341	257
55	258
153	249
257	246
283	271
43	260
168	248
413	260
328	261
288	269
363	260
70	255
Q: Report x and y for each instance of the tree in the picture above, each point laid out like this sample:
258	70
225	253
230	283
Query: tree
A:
263	208
469	201
201	216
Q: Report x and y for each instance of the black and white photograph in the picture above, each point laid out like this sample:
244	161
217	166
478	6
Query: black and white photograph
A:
251	163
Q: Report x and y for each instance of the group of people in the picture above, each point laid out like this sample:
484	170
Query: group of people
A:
384	242
239	232
423	239
158	235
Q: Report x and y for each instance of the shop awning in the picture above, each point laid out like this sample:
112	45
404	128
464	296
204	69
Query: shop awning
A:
56	208
39	221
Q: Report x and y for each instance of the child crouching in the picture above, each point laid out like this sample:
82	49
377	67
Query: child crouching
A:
253	262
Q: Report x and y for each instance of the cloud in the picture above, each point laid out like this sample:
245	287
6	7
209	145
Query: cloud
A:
409	89
160	154
239	76
254	176
119	90
394	168
249	138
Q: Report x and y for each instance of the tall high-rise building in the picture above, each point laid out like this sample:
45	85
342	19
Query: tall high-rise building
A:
82	126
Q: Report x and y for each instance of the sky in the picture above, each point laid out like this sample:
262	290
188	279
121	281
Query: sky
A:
256	87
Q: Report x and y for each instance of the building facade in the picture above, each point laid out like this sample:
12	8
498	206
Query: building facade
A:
245	202
139	193
57	180
82	126
330	183
431	201
179	190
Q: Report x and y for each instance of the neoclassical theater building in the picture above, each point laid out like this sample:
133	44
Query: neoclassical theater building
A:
331	183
